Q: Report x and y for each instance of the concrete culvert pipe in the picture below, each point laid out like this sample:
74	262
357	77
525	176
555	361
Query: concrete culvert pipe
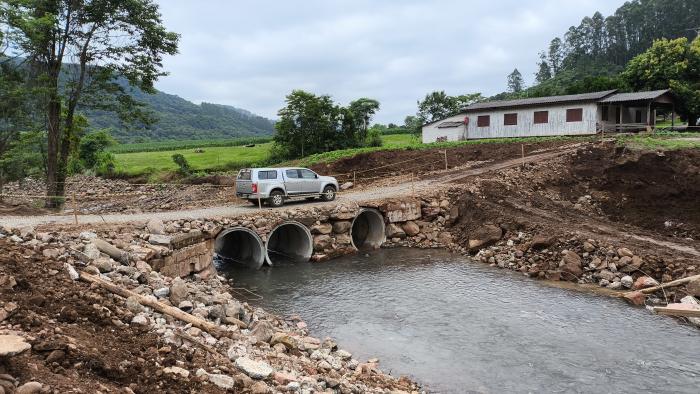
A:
290	242
240	245
368	230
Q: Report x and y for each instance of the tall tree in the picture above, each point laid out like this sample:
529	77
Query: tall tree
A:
77	50
516	84
544	71
555	55
436	106
363	110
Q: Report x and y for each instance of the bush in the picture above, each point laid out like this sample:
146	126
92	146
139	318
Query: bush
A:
374	138
184	167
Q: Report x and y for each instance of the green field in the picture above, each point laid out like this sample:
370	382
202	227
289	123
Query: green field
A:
215	158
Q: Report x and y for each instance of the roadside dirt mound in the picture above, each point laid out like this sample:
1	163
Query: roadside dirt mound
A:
659	191
398	162
80	341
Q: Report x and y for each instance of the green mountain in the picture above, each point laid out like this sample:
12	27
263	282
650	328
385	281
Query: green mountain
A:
179	119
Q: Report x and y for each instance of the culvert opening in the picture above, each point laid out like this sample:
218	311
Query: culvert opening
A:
368	229
289	242
240	245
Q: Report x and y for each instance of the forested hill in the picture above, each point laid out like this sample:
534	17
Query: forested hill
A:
179	119
601	46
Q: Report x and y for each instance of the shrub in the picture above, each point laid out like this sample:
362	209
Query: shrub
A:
184	167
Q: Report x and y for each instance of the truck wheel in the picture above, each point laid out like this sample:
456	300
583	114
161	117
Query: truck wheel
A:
276	199
328	193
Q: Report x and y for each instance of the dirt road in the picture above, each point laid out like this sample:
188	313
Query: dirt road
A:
402	189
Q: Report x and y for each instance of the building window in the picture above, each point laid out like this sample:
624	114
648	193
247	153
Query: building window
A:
541	117
606	113
483	121
510	119
574	115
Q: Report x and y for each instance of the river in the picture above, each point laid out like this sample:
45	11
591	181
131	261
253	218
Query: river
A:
457	326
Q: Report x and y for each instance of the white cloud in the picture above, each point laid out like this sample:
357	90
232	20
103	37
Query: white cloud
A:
252	53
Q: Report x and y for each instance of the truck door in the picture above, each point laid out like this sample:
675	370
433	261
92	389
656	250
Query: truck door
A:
293	182
310	181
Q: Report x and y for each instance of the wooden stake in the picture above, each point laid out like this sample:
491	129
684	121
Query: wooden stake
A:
209	327
75	208
672	283
522	151
259	202
354	179
446	159
677	311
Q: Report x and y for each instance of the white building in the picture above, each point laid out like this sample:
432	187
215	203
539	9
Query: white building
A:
577	114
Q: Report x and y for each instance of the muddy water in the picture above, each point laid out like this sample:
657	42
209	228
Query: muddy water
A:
457	326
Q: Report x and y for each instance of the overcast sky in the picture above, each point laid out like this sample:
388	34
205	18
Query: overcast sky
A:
250	54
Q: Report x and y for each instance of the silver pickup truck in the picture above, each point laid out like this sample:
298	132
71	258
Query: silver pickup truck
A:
275	185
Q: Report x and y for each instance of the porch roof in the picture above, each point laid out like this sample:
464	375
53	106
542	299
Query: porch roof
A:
636	96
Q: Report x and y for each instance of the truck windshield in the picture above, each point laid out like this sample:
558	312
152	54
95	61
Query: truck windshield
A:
244	175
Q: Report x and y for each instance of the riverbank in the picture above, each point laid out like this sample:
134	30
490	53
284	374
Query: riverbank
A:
84	337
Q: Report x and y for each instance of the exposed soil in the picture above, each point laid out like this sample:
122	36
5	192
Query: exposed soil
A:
81	340
399	162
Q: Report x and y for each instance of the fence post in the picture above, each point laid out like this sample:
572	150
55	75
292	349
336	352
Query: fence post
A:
446	159
259	202
354	179
75	208
522	151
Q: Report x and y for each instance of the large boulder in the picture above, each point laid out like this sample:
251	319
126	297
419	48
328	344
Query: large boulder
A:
321	242
643	282
571	264
178	291
263	331
254	369
542	241
322	228
394	231
484	236
693	287
341	227
11	345
155	226
411	228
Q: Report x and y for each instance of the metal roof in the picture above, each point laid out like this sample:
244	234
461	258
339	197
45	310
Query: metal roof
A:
636	96
447	125
595	96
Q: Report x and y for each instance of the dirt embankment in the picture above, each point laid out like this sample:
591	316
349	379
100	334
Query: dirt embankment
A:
399	162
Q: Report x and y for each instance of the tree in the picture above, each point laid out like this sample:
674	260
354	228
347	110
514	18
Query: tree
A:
555	55
412	124
544	72
674	64
436	106
363	110
516	84
105	40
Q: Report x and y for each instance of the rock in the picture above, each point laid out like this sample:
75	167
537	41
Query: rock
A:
260	223
572	265
263	331
411	228
394	231
635	297
55	356
624	261
12	345
133	305
254	369
222	381
51	253
341	227
185	305
155	226
633	265
615	286
161	292
321	242
588	247
287	340
542	242
16	239
283	378
624	252
690	300
323	228
140	320
159	239
643	282
484	236
91	252
627	281
103	264
344	354
29	388
259	388
178	291
87	235
346	186
606	275
177	371
693	287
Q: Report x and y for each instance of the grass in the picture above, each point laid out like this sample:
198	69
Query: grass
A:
664	140
158	146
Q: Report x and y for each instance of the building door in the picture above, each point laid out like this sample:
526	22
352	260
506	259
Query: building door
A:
618	112
638	116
